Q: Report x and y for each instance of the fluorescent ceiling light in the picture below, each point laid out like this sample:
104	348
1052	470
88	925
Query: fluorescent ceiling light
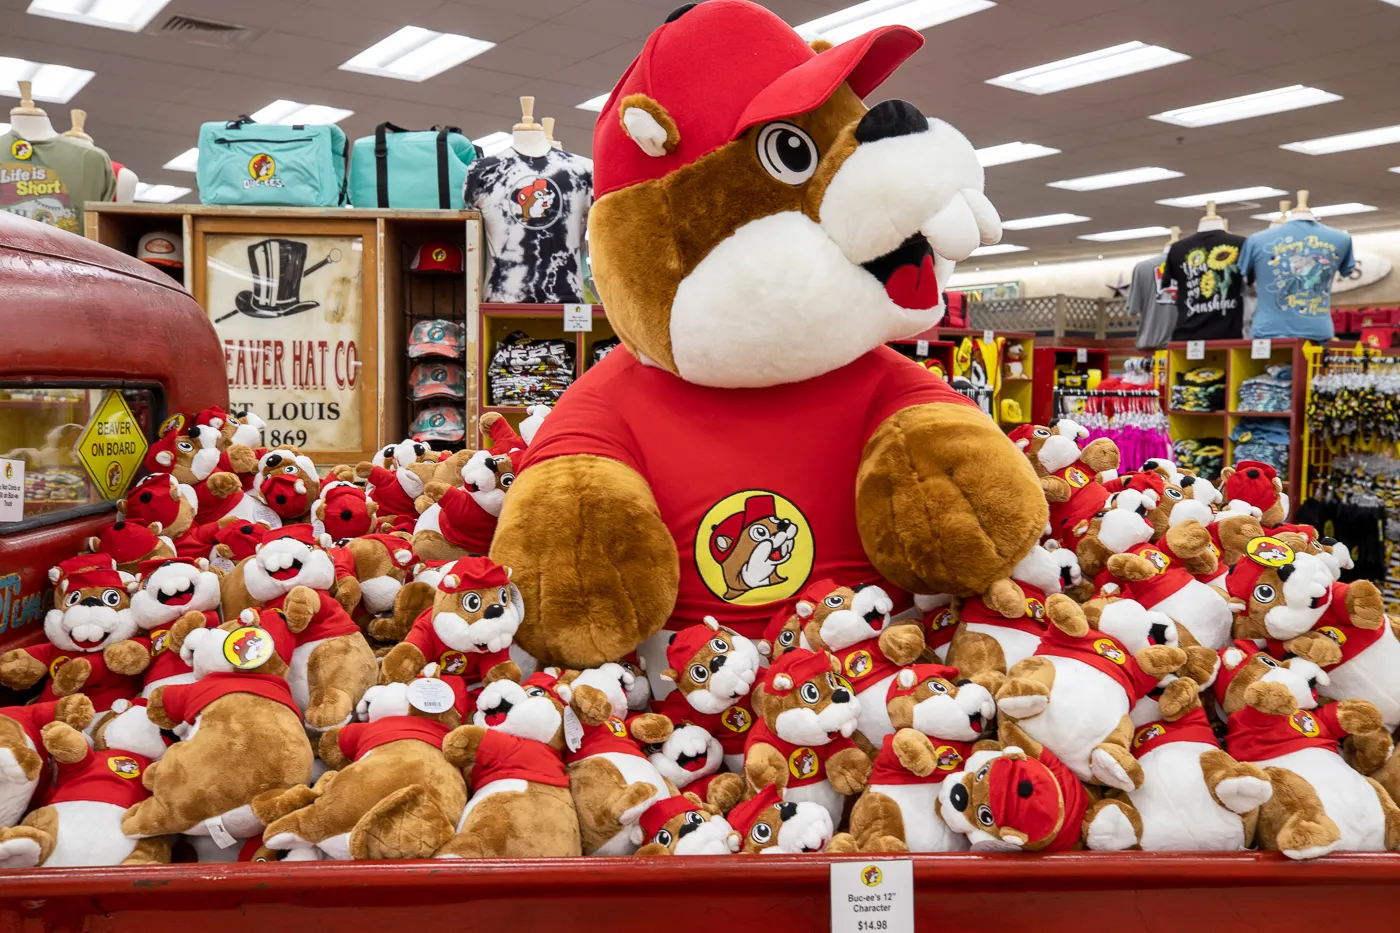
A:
55	84
1131	176
998	248
187	161
1090	68
126	15
291	113
416	54
916	14
1013	152
1325	210
594	104
162	194
494	143
1295	97
1137	233
1045	220
1325	145
1223	197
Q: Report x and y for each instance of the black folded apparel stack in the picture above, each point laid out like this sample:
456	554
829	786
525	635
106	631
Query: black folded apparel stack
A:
530	372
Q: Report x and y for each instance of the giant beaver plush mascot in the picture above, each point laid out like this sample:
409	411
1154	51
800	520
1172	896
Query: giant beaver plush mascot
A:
758	236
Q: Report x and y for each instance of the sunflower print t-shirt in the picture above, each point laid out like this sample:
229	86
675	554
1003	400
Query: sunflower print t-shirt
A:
1209	286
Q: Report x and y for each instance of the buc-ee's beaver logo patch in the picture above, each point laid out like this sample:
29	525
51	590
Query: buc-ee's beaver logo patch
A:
1306	723
803	763
948	758
737	719
124	766
1076	477
754	547
1035	609
537	201
1147	733
858	664
1108	648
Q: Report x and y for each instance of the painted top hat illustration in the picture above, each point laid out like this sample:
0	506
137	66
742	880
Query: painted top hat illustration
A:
278	266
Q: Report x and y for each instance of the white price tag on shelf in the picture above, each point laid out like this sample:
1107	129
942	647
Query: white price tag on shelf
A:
989	336
921	349
11	490
1081	355
872	897
578	318
1195	349
1261	349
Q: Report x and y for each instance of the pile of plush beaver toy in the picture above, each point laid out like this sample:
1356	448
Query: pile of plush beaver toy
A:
757	584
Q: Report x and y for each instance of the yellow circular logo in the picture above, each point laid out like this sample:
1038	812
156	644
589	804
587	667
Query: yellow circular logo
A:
124	766
56	663
452	662
1108	648
870	876
803	763
175	422
942	620
737	719
114	475
616	727
439	254
21	149
1035	609
1159	561
859	663
1076	477
1334	633
1269	551
754	547
948	758
261	167
1306	723
248	647
1148	733
160	640
9	470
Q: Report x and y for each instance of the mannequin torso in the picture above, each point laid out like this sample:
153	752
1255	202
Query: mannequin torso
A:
34	127
531	142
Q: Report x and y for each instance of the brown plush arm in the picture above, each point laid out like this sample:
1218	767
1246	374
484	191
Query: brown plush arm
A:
223	484
764	765
1056	489
19	670
725	792
915	751
848	770
1359	717
127	657
410	601
329	749
64	743
76	710
506	670
1190	541
651	728
1365	607
902	644
945	503
591	555
301	604
402	664
1315	647
1100	455
155	709
72	676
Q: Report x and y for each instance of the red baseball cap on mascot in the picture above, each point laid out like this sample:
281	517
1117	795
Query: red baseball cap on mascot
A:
1260	555
1253	481
242	537
801	665
1233	658
299	532
686	642
1024	795
718	68
346	511
921	673
473	573
658	814
155	499
148	567
65	569
743	816
126	541
726	534
94	578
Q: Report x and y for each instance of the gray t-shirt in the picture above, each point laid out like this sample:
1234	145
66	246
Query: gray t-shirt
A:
1154	306
50	180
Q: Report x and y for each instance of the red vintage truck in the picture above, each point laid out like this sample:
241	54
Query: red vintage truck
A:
78	320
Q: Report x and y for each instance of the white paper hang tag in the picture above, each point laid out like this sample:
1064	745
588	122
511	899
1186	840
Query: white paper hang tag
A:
430	695
219	562
318	528
989	336
1195	349
921	348
874	896
1081	355
261	513
221	836
1261	349
573	730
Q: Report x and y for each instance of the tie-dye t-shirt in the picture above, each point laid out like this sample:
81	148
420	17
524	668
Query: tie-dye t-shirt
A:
1294	266
534	209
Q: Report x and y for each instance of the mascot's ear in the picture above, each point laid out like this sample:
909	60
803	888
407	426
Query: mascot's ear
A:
648	125
821	45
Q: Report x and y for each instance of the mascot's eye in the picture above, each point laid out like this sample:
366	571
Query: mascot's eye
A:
534	692
810	693
834	601
289	470
984	816
1174	493
505	480
1268	661
787	153
503	597
936	687
694	818
982	772
186	446
1041	432
419	449
1263	593
699	673
73	598
719	645
761	833
111	598
786	639
471	602
759	533
662	838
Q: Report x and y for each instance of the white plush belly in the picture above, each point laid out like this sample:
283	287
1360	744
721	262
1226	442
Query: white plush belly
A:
428	521
1178	812
1373	675
1085	706
503	786
15	788
89	833
1349	800
1201	610
874	721
819	792
923	830
1016	645
296	674
186	678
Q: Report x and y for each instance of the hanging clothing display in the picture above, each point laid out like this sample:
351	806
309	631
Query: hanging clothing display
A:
1131	418
1294	265
1357	500
1205	267
1357	401
50	180
1152	304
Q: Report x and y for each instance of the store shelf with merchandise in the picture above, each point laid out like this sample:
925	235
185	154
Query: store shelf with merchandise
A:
965	352
1222	370
538	322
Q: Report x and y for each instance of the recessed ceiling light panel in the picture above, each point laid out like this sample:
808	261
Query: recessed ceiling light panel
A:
160	194
292	113
997	249
1223	197
1136	233
594	104
1325	210
54	84
1089	68
1131	176
1013	152
1365	139
416	54
1295	97
187	161
1044	220
862	17
126	15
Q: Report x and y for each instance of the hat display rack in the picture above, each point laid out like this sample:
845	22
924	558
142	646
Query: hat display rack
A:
434	300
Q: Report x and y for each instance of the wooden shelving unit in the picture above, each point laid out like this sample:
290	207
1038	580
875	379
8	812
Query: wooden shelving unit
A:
540	322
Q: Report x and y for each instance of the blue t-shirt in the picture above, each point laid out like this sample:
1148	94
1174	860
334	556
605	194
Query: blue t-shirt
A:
1294	265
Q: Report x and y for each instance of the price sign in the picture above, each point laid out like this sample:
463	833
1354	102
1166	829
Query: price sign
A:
1081	355
921	349
872	897
988	336
11	490
1195	349
1261	349
578	318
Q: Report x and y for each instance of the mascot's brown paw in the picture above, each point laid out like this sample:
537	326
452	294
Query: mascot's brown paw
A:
76	710
128	657
363	469
1161	660
1066	615
726	790
1131	567
1271	697
342	472
843	844
19	670
272	805
1189	539
242	459
401	664
650	728
406	824
902	644
301	604
1100	454
155	709
346	591
64	743
506	670
848	771
945	502
1317	648
603	570
71	677
224	484
1359	716
1367	752
1056	489
1179	698
488	421
1365	606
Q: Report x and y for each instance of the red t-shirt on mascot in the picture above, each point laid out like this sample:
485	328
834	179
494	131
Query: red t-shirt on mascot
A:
756	485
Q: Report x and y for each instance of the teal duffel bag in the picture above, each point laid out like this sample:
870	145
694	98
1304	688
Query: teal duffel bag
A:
401	168
268	164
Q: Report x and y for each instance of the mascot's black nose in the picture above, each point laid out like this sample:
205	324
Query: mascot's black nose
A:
840	696
717	662
1157	633
786	811
91	601
492	612
1285	572
346	515
890	118
958	797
